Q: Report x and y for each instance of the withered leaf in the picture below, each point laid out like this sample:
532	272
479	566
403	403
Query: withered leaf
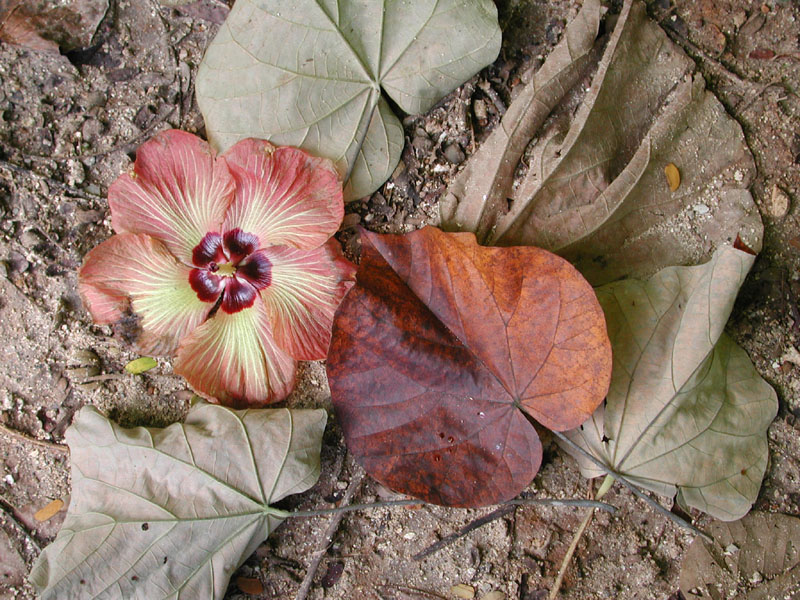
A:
753	559
591	187
47	24
440	349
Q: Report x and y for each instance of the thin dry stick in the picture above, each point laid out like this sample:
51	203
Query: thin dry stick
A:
562	571
26	439
505	509
8	514
469	527
412	590
330	531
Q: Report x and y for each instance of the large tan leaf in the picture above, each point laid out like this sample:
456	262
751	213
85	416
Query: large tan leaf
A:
171	513
595	189
686	412
310	73
757	558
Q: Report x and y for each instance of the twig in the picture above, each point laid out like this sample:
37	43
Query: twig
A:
350	508
477	523
563	502
562	571
568	556
412	590
633	488
26	439
8	513
505	509
330	531
742	105
68	189
106	377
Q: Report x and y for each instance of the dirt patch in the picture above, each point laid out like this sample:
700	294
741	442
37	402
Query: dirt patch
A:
68	127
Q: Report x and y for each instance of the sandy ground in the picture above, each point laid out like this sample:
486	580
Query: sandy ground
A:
69	126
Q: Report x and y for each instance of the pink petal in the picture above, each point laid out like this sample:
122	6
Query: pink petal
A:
135	280
283	195
233	358
306	288
177	192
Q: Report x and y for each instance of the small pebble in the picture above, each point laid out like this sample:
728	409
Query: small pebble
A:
700	209
731	549
9	479
462	590
455	154
778	204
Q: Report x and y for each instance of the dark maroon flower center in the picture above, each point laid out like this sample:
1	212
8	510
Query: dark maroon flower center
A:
230	267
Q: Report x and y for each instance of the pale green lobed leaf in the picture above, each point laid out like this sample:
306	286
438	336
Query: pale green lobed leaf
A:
686	412
309	73
171	513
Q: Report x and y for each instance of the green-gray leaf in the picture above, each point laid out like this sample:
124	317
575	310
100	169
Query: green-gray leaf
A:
309	73
686	412
592	188
171	513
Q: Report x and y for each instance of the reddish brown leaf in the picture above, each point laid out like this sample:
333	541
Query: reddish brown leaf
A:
438	347
762	54
740	245
250	586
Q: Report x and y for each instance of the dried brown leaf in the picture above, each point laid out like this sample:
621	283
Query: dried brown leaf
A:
441	347
594	191
47	25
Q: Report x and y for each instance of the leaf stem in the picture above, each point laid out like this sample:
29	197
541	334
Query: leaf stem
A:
607	483
283	514
634	488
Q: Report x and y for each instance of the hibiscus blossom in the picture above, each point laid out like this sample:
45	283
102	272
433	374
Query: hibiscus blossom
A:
225	262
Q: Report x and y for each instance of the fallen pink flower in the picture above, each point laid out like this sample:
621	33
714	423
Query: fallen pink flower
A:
225	262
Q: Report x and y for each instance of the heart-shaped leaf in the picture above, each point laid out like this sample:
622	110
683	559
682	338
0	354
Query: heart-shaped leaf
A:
593	186
171	513
310	73
687	412
441	346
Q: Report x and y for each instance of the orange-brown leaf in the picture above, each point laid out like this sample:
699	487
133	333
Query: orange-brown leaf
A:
442	347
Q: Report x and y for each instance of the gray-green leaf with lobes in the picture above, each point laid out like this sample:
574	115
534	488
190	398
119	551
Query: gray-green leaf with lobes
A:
312	73
171	513
686	413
